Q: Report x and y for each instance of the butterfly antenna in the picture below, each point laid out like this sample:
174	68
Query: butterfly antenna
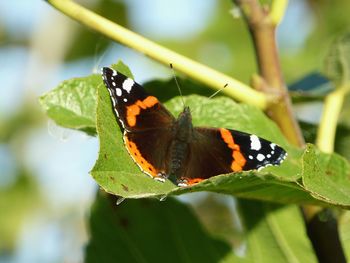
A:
98	59
216	92
177	84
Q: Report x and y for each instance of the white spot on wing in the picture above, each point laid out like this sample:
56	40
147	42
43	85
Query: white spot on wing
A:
114	73
118	91
113	83
255	143
125	99
260	157
272	145
127	84
250	157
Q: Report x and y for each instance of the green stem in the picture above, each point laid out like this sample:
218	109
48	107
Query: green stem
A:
191	68
329	119
278	8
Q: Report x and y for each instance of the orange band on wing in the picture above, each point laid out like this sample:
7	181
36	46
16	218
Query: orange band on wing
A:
238	159
136	155
133	110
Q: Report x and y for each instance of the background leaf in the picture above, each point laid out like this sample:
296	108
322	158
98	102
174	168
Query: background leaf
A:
72	104
337	64
152	231
149	231
275	233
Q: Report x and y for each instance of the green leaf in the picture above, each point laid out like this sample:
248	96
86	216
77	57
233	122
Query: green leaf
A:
327	176
275	232
149	231
337	64
73	103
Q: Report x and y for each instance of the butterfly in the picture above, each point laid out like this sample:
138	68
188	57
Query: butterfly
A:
167	147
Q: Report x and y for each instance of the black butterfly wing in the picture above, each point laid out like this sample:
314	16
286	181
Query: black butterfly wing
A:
135	109
149	150
218	151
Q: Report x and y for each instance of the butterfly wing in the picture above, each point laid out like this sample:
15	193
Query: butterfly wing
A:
135	109
150	150
146	122
219	151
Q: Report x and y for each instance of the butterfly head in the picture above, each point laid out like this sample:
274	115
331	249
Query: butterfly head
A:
185	114
184	121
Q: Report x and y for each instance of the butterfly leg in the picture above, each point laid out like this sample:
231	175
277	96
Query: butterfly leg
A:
183	182
161	177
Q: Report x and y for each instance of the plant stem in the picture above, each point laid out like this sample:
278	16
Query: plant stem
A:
262	25
262	29
191	68
329	119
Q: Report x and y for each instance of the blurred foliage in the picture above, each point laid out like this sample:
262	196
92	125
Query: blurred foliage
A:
148	230
87	43
344	229
224	44
16	202
329	21
337	63
342	138
21	197
313	86
151	231
19	123
344	117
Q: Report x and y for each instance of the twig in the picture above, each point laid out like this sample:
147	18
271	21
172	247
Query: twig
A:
262	25
329	119
193	69
262	29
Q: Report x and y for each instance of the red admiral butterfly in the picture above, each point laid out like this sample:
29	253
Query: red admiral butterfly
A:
166	147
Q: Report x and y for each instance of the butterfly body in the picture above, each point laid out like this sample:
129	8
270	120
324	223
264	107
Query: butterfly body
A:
167	147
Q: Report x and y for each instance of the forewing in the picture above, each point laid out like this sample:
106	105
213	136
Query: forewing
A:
134	108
